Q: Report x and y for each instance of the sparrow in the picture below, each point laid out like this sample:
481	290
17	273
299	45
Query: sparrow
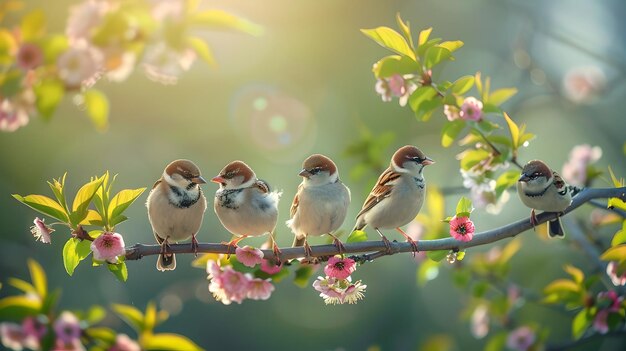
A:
541	188
397	196
244	204
176	207
321	202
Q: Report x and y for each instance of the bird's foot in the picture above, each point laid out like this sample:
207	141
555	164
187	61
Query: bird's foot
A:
410	240
194	245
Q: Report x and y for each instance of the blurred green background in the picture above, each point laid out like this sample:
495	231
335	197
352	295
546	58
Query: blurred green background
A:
312	68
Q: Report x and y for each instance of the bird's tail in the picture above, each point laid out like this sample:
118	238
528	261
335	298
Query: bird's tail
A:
166	262
360	224
555	230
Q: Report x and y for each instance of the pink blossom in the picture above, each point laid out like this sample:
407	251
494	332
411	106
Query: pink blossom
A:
67	328
124	343
249	255
269	267
462	228
260	289
600	322
118	64
480	321
609	300
84	18
34	330
484	196
575	169
340	268
472	109
618	278
227	285
172	10
451	112
521	339
41	231
382	88
12	116
80	65
582	85
338	291
396	85
75	345
29	56
12	336
164	64
107	247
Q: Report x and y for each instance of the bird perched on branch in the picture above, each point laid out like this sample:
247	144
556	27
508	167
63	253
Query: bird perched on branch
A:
321	203
541	188
398	194
176	207
244	204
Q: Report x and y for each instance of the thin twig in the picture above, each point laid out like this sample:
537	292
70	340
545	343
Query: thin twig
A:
378	248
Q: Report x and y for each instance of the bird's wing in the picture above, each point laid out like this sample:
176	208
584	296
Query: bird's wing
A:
157	183
295	203
558	181
381	190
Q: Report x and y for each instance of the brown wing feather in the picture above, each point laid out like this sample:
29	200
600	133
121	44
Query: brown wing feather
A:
380	191
262	186
295	203
157	183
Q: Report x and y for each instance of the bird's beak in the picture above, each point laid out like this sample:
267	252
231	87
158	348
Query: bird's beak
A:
304	173
428	161
218	180
523	178
198	180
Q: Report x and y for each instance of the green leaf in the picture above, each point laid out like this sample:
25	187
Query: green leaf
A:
469	158
75	251
436	55
119	270
150	318
218	19
33	26
437	255
450	131
423	36
394	64
58	188
106	335
496	342
48	95
615	253
581	322
390	39
462	85
53	46
479	83
620	236
92	218
514	131
97	108
22	285
168	342
499	96
303	275
38	277
576	273
357	236
131	315
421	95
95	315
202	49
406	30
561	286
8	45
45	205
16	308
422	49
83	199
120	202
452	46
51	301
505	181
464	206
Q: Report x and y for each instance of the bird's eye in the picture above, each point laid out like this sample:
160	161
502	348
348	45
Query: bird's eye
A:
229	175
315	170
535	175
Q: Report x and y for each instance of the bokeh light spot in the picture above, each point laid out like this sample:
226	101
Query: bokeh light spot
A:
278	123
260	103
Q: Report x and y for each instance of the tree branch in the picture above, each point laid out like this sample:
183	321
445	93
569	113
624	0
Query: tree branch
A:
377	248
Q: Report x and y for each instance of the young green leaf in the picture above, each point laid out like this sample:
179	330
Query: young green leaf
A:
500	96
58	188
303	275
576	273
33	26
22	285
581	322
421	95
451	131
83	199
436	55
131	315
150	318
437	255
615	253
48	94
423	36
218	19
464	206
406	30
514	131
38	277
452	46
357	236
120	202
462	85
505	181
395	64
390	39
168	342
119	270
97	108
74	251
45	205
203	50
18	307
